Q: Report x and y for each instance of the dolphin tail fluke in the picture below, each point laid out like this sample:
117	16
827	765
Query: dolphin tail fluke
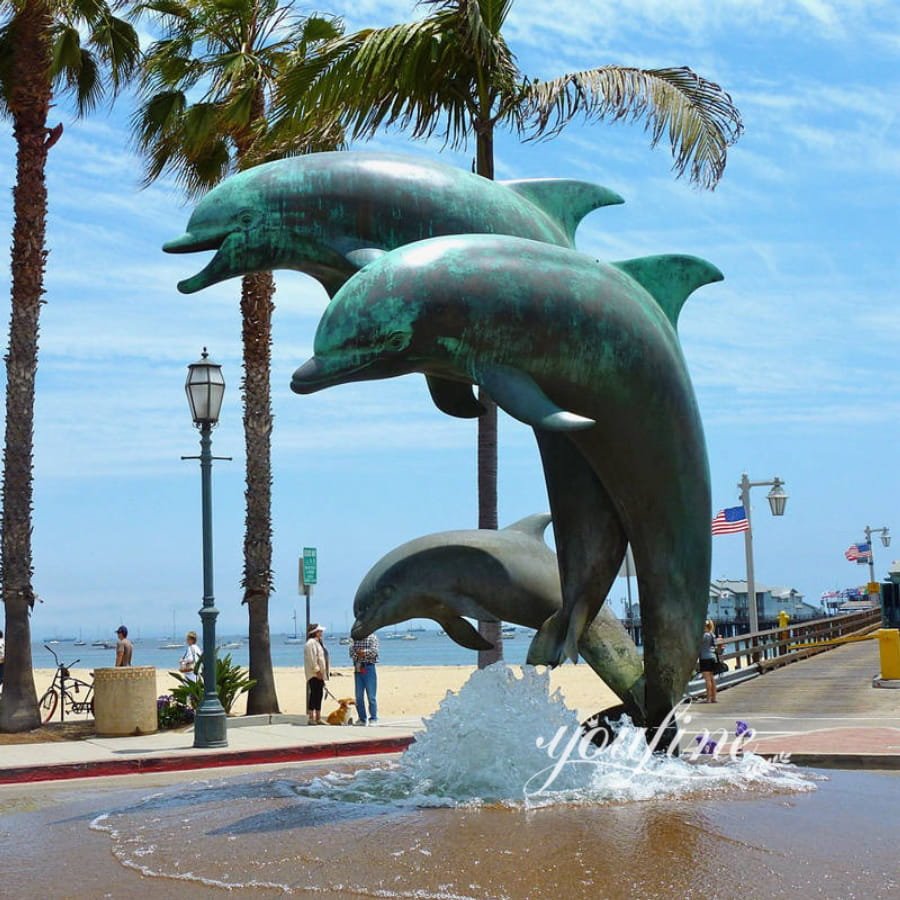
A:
548	645
670	279
578	622
565	200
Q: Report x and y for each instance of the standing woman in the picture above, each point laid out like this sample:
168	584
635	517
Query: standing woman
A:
708	660
188	664
316	668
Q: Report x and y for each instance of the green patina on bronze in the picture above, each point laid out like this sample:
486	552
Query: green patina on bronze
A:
328	214
589	357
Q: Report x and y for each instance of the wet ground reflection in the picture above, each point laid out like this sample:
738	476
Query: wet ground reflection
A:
254	834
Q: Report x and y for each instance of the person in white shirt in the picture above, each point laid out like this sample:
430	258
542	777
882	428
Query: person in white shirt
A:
192	653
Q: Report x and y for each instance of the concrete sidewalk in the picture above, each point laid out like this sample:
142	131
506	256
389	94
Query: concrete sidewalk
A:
252	740
822	712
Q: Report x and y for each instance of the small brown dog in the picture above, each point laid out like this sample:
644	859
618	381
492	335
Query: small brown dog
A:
341	716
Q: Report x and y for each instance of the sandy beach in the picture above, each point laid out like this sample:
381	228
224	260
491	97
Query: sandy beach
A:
403	691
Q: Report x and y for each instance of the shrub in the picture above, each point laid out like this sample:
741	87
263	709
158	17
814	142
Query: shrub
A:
231	681
170	713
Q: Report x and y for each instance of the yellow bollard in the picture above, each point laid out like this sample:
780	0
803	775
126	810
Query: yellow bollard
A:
889	649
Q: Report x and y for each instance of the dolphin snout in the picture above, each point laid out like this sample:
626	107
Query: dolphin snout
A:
308	377
193	243
360	630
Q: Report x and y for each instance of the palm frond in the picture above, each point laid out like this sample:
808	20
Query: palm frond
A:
696	115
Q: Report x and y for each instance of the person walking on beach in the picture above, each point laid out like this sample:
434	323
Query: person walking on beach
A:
2	657
364	654
709	646
316	667
188	663
123	647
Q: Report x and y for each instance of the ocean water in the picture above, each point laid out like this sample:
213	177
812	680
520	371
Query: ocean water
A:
429	649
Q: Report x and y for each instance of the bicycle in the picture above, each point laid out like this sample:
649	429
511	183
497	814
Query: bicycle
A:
60	688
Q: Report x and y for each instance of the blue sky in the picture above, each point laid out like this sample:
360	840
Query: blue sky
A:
793	356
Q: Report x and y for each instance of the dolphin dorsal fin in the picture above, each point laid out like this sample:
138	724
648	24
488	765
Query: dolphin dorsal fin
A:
670	279
534	525
565	200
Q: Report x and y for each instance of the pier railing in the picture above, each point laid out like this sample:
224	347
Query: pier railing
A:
779	646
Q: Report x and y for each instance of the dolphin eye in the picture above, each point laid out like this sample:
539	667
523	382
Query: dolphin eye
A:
397	341
246	217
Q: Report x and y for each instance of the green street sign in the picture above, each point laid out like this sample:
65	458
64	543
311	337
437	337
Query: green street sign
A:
309	565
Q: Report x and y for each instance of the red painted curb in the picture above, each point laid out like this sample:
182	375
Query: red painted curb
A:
200	760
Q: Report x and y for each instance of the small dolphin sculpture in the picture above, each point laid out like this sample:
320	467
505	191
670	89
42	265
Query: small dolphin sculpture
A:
508	575
587	354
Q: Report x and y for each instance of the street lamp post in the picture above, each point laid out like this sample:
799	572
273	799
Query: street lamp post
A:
205	388
885	540
777	500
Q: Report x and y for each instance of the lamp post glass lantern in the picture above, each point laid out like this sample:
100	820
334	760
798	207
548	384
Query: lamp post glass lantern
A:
777	501
205	388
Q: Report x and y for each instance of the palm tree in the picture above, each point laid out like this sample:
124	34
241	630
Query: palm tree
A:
452	74
47	49
228	55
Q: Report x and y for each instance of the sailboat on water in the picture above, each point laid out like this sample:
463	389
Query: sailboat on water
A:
171	643
295	638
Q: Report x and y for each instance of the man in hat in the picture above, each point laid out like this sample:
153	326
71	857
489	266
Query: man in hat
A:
123	647
315	665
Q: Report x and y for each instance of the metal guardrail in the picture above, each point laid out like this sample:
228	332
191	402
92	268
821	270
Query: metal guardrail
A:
776	647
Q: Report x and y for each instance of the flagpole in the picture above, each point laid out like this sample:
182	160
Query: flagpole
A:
871	555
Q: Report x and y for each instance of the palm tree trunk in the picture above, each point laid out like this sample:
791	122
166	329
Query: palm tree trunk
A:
487	435
257	306
29	103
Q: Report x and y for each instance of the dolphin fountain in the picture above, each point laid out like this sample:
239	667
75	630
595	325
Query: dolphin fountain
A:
587	354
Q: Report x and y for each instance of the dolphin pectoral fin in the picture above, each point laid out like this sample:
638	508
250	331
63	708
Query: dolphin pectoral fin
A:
670	279
565	200
361	257
534	526
464	633
547	646
520	395
455	398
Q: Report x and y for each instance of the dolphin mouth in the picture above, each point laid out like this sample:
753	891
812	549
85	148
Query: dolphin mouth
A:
215	270
314	375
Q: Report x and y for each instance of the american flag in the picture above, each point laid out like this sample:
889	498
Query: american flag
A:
860	553
730	521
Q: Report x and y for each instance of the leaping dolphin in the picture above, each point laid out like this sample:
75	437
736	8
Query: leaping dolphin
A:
328	214
508	575
583	352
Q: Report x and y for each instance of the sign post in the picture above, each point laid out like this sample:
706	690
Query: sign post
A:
308	576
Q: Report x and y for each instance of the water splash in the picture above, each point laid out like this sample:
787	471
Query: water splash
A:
507	740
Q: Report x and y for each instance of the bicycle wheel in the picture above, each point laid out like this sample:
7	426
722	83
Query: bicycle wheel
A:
48	704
